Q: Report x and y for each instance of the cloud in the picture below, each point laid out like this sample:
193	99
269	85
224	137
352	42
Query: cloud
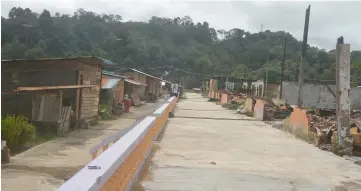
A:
328	20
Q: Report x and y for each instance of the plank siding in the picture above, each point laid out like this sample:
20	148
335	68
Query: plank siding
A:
90	96
119	91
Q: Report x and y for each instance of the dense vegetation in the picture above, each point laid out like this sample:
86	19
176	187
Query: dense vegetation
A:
155	45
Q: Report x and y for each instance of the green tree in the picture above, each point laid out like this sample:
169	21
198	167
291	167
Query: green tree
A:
162	44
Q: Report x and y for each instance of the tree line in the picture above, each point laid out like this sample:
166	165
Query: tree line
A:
162	44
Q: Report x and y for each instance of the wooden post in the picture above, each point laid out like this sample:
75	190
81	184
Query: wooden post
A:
345	140
303	57
265	86
283	65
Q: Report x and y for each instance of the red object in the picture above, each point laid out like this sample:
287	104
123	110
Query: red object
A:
127	103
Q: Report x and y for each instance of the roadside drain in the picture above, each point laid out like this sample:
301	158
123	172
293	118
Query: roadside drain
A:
215	118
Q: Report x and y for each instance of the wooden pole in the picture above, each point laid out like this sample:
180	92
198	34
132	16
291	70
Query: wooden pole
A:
283	65
303	57
265	94
345	140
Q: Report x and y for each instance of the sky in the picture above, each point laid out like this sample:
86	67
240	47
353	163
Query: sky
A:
328	21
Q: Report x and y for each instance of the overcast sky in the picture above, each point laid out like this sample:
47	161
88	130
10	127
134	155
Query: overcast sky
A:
328	20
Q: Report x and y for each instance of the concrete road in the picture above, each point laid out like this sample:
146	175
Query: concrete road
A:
212	154
47	166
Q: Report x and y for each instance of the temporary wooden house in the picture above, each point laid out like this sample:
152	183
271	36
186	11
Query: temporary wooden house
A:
115	87
60	92
153	83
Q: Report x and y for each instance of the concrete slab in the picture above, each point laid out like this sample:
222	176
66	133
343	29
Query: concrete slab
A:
209	154
198	107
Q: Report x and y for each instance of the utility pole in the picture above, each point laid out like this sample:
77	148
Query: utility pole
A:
345	140
303	57
26	33
289	71
283	65
265	86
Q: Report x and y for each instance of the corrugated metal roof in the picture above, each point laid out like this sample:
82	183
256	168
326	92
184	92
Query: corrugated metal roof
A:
89	58
140	72
108	62
135	82
112	74
84	59
109	83
53	87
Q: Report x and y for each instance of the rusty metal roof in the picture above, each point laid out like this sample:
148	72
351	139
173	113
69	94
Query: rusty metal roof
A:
39	88
109	83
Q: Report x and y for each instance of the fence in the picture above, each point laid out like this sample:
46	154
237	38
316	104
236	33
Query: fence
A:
123	155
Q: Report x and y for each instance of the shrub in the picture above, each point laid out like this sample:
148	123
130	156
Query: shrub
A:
17	131
104	111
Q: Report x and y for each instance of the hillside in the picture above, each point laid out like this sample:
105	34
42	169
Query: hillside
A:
161	42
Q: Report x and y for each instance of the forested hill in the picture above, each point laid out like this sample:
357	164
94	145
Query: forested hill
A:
149	46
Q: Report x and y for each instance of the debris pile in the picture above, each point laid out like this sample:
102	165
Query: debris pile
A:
324	124
234	105
323	127
273	111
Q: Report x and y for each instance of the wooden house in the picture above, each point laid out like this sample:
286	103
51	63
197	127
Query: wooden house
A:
53	91
153	83
115	87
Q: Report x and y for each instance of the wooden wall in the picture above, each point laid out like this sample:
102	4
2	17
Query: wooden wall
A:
25	74
90	96
140	90
119	91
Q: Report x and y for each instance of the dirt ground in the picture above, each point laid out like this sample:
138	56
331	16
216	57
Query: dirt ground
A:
47	166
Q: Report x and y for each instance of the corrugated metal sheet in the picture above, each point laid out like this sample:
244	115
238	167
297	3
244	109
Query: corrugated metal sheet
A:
140	72
112	74
108	62
135	82
109	83
54	87
83	59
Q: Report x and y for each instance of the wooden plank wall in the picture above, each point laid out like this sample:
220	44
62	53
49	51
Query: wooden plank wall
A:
90	96
141	89
119	91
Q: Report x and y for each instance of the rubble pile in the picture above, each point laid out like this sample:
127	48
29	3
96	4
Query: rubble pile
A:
324	124
233	105
321	121
273	111
356	114
324	128
234	102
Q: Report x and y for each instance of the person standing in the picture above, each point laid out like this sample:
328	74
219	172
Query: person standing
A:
174	89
